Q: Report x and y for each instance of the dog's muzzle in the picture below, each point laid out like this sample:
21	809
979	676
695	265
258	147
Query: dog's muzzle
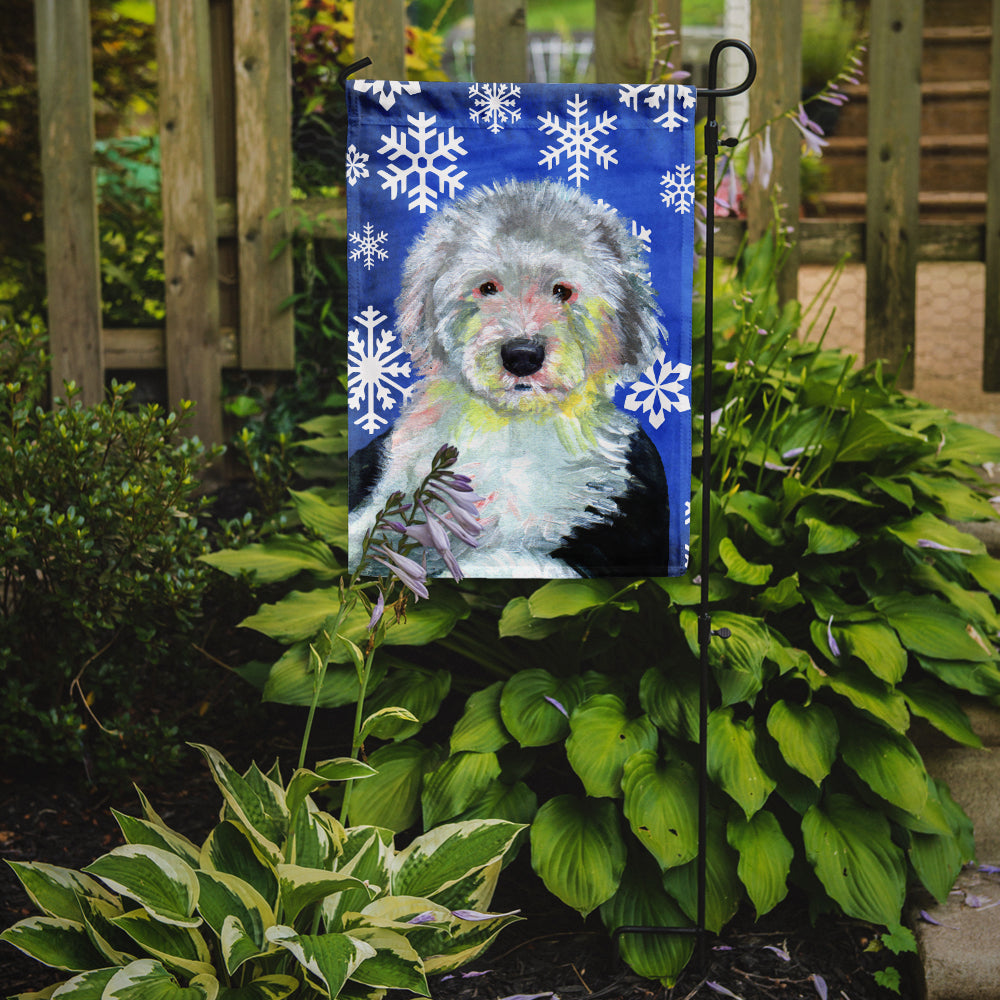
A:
523	356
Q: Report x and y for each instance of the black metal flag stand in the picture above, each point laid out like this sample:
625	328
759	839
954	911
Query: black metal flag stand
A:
705	631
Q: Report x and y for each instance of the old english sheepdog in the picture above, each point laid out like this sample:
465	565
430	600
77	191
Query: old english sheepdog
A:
522	305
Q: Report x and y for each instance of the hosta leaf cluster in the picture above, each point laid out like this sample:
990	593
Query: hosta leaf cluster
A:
279	900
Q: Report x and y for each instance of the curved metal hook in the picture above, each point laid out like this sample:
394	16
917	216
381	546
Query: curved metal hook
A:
713	69
353	68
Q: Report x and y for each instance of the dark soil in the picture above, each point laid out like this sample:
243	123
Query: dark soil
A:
551	952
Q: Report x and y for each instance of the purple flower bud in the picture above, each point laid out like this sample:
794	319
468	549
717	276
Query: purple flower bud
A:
927	543
377	611
834	648
558	705
410	573
820	983
427	917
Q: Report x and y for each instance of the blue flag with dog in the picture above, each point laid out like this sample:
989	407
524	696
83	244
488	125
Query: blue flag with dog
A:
520	262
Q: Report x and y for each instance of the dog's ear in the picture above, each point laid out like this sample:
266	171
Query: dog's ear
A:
415	304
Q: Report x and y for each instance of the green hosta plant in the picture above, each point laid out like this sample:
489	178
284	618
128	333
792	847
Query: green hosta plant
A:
279	900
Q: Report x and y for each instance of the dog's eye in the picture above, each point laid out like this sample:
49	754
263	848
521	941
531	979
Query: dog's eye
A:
562	292
489	288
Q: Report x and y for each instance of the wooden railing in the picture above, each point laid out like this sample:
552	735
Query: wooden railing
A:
226	160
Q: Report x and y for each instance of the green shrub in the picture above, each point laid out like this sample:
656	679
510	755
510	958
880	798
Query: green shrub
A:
99	540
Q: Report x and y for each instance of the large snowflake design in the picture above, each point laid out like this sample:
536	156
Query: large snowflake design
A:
659	389
357	165
423	162
375	369
494	104
671	119
367	247
577	139
385	90
678	188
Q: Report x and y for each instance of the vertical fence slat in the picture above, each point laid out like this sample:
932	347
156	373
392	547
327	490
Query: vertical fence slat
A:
991	333
380	34
668	12
622	40
72	256
893	183
190	253
776	35
501	41
261	56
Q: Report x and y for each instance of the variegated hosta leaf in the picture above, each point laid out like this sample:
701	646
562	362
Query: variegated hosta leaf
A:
98	915
86	986
147	979
315	838
850	847
395	964
456	784
642	902
578	851
141	831
54	941
661	805
230	849
466	941
367	853
274	987
225	897
807	736
602	737
56	891
329	959
304	782
441	857
481	727
177	947
732	760
765	858
418	691
256	801
158	880
300	887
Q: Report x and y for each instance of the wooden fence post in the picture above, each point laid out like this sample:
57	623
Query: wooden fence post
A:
72	254
776	35
380	34
262	61
501	41
190	251
991	333
623	40
892	215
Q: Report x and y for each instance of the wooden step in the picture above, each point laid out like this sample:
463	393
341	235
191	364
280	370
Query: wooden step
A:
958	206
956	53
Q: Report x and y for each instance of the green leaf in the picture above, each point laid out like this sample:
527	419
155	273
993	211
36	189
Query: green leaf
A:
527	711
163	884
577	850
976	678
330	959
395	964
758	511
386	722
783	595
391	798
941	709
438	859
181	948
888	763
56	891
276	987
828	539
738	661
481	728
661	800
732	760
640	901
738	569
986	571
456	784
850	848
958	502
807	736
866	692
601	739
418	691
765	858
279	558
54	941
292	680
672	700
870	436
517	620
559	598
937	860
299	615
304	782
965	443
327	520
86	986
931	628
147	979
927	527
301	887
876	646
516	803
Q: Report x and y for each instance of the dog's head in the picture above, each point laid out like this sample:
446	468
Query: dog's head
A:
528	294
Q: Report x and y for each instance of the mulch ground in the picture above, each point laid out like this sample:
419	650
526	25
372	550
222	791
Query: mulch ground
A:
550	953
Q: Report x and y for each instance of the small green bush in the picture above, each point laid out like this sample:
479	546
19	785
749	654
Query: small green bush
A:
99	578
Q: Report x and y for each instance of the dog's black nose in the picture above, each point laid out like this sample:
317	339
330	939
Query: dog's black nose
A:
523	356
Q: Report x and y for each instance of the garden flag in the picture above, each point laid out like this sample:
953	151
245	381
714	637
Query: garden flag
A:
520	275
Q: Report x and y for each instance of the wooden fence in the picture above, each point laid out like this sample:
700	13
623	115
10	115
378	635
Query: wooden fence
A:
226	159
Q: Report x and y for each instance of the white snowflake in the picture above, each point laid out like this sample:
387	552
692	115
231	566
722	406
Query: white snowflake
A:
368	246
659	389
357	165
494	104
374	370
671	119
678	188
422	162
386	90
577	139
